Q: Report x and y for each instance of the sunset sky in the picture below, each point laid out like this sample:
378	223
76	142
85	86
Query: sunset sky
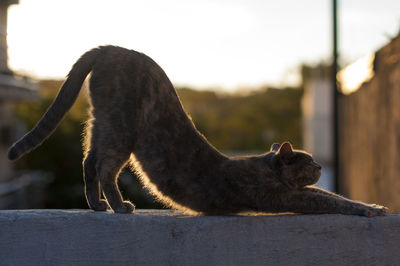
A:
203	44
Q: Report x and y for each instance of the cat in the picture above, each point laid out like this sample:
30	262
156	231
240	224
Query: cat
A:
136	118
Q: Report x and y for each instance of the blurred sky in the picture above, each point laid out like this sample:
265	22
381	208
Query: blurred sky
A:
221	43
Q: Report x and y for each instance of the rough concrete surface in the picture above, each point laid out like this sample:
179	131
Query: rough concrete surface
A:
164	237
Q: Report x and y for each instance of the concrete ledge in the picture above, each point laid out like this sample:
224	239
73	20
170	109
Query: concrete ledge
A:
163	237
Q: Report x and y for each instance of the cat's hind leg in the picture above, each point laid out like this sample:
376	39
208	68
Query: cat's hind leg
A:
108	166
90	176
92	184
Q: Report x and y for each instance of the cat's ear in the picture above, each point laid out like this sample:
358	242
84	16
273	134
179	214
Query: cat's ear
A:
286	150
275	147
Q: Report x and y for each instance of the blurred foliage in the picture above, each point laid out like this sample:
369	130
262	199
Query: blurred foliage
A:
61	153
231	122
246	122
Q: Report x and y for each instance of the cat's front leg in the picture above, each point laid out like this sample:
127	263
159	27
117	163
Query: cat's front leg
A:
312	200
375	208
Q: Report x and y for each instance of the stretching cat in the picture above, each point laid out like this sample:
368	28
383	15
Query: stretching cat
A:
136	117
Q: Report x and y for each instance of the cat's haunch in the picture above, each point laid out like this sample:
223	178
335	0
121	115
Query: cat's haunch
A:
137	119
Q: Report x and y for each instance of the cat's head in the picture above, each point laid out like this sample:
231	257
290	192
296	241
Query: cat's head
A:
295	168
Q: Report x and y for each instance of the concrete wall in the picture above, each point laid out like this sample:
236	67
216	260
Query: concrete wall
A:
370	134
82	237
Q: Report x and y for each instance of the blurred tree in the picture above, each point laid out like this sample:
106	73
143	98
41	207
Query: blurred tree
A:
250	122
61	153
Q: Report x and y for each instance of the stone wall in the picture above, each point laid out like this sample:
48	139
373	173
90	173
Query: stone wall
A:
149	237
370	134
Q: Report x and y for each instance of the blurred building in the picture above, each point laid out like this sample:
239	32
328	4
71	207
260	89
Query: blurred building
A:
317	119
13	88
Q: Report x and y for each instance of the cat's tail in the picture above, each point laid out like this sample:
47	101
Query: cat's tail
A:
55	113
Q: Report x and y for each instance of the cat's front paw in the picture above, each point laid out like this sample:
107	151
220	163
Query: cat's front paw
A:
127	207
375	210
